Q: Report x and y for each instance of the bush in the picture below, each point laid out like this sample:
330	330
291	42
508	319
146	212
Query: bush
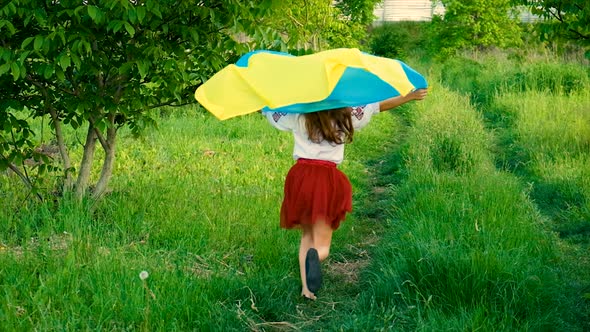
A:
476	25
397	40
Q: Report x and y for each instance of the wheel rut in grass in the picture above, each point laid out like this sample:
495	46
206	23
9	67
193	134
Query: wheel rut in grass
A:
560	202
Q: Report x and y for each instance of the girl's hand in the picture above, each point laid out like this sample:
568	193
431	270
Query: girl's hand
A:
417	94
394	102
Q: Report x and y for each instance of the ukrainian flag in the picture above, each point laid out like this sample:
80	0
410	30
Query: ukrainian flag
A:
268	80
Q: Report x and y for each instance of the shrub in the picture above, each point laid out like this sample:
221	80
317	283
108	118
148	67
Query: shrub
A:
473	25
397	39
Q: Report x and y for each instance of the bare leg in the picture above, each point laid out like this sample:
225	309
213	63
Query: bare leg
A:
322	238
318	236
306	244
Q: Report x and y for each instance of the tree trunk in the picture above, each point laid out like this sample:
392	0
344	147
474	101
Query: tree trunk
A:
63	151
86	164
109	159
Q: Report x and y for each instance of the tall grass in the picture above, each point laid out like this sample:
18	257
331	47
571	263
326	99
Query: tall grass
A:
196	204
485	77
539	112
467	248
456	200
549	141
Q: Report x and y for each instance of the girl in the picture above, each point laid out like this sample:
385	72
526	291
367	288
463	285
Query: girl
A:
317	195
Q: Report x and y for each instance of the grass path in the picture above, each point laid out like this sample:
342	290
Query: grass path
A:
370	163
338	306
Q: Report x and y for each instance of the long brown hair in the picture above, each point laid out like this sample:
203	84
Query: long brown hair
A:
334	125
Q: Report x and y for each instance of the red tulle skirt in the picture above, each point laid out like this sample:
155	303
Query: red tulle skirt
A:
315	191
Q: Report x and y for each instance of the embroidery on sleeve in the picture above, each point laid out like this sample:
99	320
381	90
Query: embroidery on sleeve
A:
277	116
358	112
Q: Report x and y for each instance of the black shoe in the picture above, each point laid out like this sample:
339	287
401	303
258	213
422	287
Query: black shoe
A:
313	272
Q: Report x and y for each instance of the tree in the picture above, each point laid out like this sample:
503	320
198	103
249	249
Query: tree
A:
105	64
567	18
320	24
302	24
358	15
476	24
100	65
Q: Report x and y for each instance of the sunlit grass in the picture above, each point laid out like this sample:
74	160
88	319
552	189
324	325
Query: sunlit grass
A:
467	247
455	205
196	204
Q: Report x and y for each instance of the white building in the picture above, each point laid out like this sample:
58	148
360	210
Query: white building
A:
407	10
423	10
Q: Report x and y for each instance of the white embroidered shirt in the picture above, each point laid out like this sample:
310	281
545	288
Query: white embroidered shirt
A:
304	148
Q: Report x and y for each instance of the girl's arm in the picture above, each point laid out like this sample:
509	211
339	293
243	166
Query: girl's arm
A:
394	102
282	121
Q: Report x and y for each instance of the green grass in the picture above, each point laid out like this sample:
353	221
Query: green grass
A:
468	248
195	204
469	214
540	122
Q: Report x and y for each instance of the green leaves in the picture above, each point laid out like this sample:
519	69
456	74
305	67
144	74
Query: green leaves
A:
109	57
143	67
26	42
95	14
38	43
7	25
4	68
571	18
64	61
15	70
15	136
48	71
141	12
129	29
313	25
474	24
8	9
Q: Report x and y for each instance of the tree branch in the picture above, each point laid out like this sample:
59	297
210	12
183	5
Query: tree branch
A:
62	148
101	138
38	85
579	34
170	103
20	174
